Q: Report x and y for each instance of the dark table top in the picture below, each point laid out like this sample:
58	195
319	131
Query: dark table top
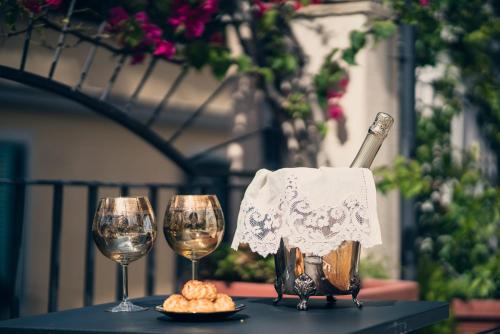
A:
260	317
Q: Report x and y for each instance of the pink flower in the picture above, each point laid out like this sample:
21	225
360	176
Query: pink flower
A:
195	28
180	11
137	58
344	82
297	5
262	7
335	111
152	33
333	93
210	6
141	17
217	38
117	15
192	18
165	49
53	3
32	5
424	2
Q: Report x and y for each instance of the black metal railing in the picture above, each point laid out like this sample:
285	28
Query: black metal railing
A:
19	189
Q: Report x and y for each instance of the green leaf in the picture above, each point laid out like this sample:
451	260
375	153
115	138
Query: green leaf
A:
322	129
11	11
284	64
383	29
358	40
197	54
269	19
220	60
245	63
267	73
349	56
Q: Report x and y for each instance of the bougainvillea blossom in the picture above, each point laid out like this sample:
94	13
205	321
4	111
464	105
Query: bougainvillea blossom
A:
117	15
165	49
33	6
335	111
192	19
53	3
151	35
264	6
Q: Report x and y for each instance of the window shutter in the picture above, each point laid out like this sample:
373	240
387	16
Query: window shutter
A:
12	159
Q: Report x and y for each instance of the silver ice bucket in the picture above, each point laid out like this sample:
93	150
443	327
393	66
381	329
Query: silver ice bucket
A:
308	275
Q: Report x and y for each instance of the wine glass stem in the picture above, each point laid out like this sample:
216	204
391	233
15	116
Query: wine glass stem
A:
125	282
194	269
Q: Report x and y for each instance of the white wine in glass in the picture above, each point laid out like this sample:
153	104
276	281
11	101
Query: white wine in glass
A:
124	230
194	226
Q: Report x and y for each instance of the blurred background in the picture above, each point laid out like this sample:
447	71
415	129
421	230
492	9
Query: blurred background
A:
90	107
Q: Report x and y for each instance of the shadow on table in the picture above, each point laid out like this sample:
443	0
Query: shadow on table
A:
234	318
321	304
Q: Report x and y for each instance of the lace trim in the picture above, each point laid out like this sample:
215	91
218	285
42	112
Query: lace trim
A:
317	231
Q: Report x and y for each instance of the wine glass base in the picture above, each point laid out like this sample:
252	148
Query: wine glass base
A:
126	307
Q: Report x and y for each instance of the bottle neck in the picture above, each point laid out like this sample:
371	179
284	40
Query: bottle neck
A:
368	151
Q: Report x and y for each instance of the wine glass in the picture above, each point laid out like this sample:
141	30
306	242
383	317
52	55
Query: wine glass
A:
194	226
124	230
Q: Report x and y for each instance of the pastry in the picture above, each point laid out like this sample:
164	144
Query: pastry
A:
201	306
198	297
194	289
176	303
224	303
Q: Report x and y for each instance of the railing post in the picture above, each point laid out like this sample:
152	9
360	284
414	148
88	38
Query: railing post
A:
124	192
20	200
55	248
27	40
151	257
62	38
88	293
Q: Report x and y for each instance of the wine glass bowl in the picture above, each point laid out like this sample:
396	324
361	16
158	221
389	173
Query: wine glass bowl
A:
124	230
194	226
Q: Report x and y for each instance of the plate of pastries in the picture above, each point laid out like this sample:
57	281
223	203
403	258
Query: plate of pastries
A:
199	301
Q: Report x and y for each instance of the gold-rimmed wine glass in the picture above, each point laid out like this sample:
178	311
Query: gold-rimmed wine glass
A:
124	230
194	226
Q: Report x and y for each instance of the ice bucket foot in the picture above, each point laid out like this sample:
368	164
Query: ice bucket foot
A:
355	287
279	287
330	300
305	287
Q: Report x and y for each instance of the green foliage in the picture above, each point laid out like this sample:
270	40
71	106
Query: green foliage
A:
220	60
285	64
196	54
408	175
329	77
369	267
267	73
134	34
458	209
383	29
10	11
358	41
298	105
322	129
244	63
229	265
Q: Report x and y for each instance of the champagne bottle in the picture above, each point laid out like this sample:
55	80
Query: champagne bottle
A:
374	139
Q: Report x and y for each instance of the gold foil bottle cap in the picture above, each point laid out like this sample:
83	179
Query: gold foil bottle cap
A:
382	125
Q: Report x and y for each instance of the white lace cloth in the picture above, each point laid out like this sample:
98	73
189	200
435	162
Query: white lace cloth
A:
312	209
